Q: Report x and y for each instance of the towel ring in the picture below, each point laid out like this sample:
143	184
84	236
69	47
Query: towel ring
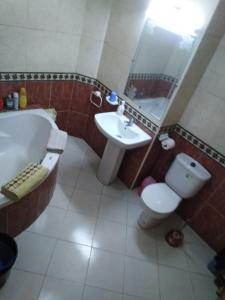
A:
98	95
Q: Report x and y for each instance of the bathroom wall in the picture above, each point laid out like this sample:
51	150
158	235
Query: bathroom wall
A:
204	115
159	52
198	65
124	28
201	135
70	36
53	35
69	94
206	211
150	86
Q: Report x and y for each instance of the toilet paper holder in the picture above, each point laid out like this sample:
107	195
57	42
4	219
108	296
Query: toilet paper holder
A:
166	142
163	137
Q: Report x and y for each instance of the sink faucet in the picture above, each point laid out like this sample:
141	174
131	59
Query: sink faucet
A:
130	122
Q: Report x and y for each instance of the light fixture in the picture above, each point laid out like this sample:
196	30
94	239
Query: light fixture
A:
182	17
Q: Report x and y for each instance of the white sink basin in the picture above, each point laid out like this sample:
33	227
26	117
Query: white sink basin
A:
114	128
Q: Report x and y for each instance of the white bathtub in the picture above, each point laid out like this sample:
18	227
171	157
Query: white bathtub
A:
153	106
23	139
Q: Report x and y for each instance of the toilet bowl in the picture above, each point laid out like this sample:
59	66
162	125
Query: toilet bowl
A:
157	201
183	180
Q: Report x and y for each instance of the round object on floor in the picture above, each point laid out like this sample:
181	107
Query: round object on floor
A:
8	255
174	238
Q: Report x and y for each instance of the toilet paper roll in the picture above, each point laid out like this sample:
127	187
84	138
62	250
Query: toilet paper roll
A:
168	144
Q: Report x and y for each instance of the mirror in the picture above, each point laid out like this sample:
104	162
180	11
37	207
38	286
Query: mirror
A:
170	36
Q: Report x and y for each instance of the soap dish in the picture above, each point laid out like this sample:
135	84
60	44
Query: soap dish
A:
112	103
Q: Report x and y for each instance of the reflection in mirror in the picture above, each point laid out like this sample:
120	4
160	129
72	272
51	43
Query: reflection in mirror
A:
171	33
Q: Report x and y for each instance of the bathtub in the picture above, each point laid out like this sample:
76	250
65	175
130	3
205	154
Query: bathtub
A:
153	106
23	139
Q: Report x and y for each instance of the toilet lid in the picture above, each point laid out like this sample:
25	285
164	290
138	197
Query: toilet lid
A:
160	198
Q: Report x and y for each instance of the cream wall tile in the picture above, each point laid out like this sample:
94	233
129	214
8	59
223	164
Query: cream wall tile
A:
68	52
42	51
217	23
13	48
217	63
13	12
71	16
43	14
114	69
125	26
214	84
143	4
208	103
88	60
96	18
191	79
50	51
203	108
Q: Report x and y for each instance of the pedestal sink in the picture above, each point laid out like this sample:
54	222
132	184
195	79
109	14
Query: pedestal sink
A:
121	137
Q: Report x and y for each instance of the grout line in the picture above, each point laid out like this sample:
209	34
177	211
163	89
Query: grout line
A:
116	253
86	273
125	255
157	259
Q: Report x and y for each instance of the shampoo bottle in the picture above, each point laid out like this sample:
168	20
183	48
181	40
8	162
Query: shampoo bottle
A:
9	102
23	98
121	108
16	100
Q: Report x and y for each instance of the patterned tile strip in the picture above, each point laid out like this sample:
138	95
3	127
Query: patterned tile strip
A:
208	150
17	76
148	76
195	141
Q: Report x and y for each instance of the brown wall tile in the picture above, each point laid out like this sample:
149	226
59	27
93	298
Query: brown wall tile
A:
61	119
209	203
217	199
10	87
81	98
77	124
209	224
38	92
61	95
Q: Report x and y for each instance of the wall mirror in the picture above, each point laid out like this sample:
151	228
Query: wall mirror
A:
171	35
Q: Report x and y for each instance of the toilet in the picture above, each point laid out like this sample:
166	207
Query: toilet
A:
183	180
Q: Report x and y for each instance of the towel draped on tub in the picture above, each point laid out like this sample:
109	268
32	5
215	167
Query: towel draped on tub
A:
57	141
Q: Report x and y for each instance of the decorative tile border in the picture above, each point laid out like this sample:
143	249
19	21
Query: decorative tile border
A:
167	129
36	76
27	76
149	76
18	76
208	150
195	141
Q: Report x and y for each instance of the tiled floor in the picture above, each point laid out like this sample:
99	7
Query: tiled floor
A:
87	245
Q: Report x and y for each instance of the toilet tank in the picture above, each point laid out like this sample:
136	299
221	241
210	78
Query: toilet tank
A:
186	176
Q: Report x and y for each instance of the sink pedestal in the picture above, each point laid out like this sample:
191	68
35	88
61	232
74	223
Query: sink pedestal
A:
110	163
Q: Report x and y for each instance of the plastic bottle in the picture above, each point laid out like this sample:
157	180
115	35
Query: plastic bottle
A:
16	100
121	108
23	98
1	103
9	102
113	96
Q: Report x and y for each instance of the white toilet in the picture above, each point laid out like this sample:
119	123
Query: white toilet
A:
184	179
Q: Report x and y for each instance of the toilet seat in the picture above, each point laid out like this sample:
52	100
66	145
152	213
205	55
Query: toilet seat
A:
160	198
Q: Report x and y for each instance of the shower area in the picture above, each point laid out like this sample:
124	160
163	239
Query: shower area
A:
159	62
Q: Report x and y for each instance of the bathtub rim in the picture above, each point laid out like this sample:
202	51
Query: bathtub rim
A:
50	159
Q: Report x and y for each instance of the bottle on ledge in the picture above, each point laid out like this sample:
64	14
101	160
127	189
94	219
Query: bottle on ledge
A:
23	98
